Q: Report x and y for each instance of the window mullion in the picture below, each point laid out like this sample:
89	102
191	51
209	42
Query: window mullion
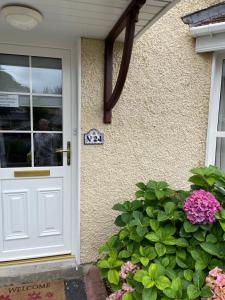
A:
31	112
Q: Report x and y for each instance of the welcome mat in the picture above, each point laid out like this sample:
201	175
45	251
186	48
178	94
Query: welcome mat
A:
47	290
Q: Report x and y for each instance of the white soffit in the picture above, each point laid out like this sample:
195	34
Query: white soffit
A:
85	18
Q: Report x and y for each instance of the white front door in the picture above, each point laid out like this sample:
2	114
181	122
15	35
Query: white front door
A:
35	174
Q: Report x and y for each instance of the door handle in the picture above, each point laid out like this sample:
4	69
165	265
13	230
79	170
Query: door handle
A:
62	151
68	151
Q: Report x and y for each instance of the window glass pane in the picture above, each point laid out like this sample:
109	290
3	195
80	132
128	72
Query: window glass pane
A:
45	146
14	73
14	112
47	75
15	150
220	153
47	113
221	121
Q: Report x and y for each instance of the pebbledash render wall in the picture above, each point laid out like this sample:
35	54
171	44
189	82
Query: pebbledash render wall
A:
159	126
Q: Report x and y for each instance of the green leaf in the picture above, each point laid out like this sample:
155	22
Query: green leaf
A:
169	241
153	270
198	181
141	231
211	238
149	195
181	253
150	252
123	234
168	231
148	294
200	235
169	292
181	242
119	207
162	216
154	224
181	263
206	292
162	282
193	292
141	186
127	296
124	254
150	211
138	276
188	275
139	194
222	224
118	222
160	249
126	217
169	207
147	282
165	261
202	259
160	194
188	227
103	264
113	277
214	249
199	279
152	237
144	261
176	286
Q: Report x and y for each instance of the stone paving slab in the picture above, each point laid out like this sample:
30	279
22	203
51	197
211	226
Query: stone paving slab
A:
75	290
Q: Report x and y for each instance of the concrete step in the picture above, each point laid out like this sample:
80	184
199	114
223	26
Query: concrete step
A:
81	283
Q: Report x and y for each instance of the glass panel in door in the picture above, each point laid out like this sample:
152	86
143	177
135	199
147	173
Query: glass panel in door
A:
31	128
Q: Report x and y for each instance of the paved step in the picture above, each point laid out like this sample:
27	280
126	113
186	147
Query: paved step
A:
81	283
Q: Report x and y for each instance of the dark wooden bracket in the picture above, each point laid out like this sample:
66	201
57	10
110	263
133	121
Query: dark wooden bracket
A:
128	20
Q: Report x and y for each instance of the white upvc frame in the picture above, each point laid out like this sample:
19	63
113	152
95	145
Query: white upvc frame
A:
214	106
74	48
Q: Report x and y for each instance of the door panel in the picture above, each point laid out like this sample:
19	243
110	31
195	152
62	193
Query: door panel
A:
15	214
50	211
35	125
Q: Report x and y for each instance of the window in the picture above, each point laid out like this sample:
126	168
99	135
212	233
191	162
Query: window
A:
30	111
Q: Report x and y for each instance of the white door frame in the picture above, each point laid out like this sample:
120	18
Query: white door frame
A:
75	66
214	106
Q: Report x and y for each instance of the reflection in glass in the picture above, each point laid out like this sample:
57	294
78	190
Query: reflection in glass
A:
49	108
14	112
220	153
221	121
14	73
45	146
15	150
47	75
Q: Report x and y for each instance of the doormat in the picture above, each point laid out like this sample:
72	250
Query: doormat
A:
47	290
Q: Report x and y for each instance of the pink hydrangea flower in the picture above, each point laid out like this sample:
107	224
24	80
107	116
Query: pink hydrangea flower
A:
126	268
215	272
119	294
116	296
216	282
200	207
127	288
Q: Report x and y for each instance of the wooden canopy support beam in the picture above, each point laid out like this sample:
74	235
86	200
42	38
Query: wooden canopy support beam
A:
128	20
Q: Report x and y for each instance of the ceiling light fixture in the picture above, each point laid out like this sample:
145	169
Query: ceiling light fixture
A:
22	17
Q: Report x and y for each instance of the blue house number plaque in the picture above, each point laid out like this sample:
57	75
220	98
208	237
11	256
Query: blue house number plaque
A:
94	137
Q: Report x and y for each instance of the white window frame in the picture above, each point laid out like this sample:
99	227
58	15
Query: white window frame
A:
214	106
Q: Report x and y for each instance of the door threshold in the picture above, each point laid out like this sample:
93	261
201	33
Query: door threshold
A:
37	260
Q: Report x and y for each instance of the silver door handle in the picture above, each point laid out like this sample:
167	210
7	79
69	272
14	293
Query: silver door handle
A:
68	151
62	151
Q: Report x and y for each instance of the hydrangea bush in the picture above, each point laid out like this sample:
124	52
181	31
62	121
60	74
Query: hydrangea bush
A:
170	244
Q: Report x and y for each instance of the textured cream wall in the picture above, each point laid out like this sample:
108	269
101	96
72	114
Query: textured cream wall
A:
159	125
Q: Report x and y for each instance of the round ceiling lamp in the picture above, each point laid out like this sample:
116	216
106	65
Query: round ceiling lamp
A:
22	17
